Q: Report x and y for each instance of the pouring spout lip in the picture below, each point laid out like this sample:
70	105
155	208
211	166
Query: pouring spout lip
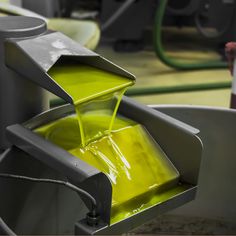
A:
93	60
105	92
121	70
37	55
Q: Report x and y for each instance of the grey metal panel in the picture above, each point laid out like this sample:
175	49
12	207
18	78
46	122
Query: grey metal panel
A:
48	48
35	56
217	193
50	154
20	99
178	140
78	171
36	208
21	63
81	228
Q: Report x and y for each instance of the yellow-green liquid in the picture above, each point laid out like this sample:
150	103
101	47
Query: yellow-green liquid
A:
94	92
140	173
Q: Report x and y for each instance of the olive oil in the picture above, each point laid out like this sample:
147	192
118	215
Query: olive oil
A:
85	83
93	91
139	171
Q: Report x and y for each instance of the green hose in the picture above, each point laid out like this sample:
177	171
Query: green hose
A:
170	61
177	65
177	89
162	90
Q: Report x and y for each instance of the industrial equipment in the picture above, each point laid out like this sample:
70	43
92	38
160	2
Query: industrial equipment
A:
29	53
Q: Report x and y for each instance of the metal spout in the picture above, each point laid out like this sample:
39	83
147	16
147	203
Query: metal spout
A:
33	57
29	51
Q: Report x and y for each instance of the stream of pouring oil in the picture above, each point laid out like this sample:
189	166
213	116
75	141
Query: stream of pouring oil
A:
140	173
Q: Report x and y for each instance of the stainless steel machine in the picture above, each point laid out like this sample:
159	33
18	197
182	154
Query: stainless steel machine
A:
28	52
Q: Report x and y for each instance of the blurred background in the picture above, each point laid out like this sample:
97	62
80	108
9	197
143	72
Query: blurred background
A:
176	50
